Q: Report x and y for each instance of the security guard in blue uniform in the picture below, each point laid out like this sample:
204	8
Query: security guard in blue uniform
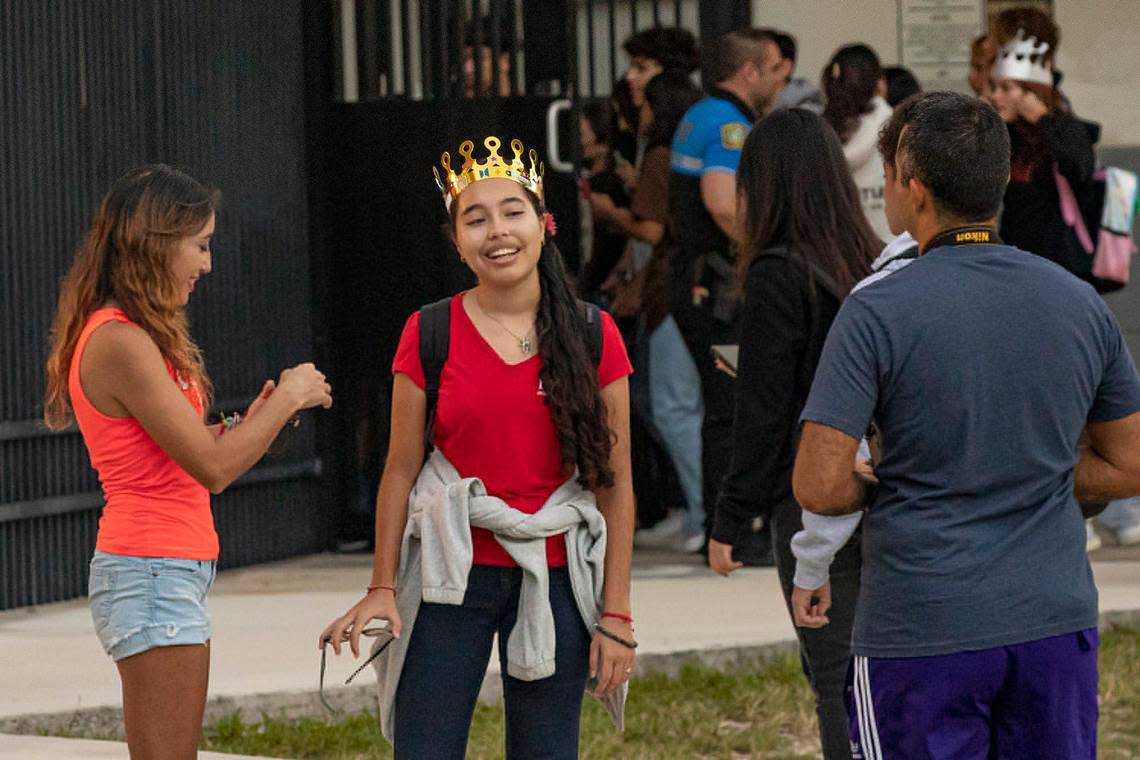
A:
750	73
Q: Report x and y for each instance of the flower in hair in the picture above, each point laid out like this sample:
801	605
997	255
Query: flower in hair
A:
549	223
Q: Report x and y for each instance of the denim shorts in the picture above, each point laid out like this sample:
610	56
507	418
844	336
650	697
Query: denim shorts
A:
139	603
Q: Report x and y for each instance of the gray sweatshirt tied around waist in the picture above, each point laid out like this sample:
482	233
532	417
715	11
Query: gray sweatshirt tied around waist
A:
436	557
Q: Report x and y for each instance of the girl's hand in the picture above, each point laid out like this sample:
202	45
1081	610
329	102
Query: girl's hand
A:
810	606
377	604
720	365
1031	107
720	558
611	663
306	386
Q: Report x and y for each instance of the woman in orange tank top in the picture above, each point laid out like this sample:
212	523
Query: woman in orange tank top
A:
123	365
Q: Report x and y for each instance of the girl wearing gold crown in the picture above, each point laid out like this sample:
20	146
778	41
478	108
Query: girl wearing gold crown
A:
1049	147
520	522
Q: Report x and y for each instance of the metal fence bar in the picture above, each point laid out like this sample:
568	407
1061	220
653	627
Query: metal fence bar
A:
516	73
428	71
496	42
590	46
613	41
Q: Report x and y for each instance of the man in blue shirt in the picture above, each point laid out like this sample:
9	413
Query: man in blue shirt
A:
1003	392
750	72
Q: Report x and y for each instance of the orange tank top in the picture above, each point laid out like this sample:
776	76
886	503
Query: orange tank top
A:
153	507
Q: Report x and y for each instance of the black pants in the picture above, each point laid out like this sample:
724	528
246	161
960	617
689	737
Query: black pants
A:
824	652
447	659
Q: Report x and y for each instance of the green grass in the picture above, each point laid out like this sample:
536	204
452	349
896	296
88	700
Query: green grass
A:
761	712
1120	695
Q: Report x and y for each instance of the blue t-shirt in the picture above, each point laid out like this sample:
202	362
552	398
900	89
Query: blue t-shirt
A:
708	139
981	366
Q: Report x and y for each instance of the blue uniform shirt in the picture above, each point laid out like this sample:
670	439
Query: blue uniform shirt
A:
709	138
981	366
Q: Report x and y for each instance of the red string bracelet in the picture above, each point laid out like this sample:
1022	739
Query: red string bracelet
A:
618	616
381	585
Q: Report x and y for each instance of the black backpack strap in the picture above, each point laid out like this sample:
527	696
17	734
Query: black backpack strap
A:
435	336
595	340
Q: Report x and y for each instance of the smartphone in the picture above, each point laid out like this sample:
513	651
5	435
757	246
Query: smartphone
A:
728	353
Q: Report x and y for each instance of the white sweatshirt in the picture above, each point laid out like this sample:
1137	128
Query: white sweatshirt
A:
862	153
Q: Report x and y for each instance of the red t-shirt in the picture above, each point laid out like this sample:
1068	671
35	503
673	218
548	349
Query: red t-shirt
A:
492	421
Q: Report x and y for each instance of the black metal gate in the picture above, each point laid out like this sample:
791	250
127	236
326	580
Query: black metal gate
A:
413	79
88	90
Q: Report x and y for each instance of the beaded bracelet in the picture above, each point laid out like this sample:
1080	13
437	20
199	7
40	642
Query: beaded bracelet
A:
614	637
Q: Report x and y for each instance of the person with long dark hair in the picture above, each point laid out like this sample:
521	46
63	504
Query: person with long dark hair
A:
520	522
748	72
804	244
124	367
855	89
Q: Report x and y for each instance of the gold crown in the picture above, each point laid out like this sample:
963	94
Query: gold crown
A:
451	184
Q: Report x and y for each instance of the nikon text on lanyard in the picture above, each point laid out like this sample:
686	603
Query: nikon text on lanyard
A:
964	236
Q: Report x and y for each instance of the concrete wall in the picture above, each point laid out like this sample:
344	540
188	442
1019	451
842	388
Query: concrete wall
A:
1100	56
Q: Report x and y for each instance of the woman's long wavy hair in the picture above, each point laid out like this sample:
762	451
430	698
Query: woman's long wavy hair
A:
848	81
569	375
124	258
794	189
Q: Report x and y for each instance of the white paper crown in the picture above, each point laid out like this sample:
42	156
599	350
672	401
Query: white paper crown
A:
1023	59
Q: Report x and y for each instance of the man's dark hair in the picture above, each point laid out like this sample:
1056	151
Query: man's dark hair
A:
956	145
669	96
674	48
901	84
787	45
735	49
784	41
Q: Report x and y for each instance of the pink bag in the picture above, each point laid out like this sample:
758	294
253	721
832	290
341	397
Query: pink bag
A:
1112	254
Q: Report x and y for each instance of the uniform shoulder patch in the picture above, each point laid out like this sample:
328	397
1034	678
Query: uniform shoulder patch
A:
732	135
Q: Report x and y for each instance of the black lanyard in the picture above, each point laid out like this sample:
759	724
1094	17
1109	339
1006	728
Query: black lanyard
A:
964	236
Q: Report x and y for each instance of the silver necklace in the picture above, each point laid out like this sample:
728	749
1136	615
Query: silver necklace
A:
526	345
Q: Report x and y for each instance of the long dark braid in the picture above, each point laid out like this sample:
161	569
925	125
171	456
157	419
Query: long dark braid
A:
569	376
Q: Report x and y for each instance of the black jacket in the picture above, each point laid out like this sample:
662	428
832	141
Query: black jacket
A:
784	322
1031	213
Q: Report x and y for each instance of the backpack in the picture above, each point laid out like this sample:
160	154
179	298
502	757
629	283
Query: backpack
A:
435	341
1102	225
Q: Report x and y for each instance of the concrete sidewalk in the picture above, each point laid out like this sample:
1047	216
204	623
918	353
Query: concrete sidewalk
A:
267	618
37	747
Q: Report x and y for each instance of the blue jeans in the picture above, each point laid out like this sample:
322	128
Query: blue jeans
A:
678	411
139	603
447	659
